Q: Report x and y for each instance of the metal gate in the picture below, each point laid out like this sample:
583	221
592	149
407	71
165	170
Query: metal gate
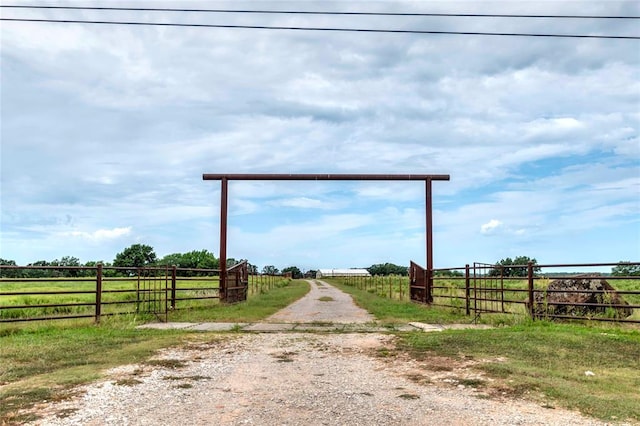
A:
236	284
152	291
488	288
419	285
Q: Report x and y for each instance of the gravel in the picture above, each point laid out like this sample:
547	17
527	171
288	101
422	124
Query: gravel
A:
323	303
289	379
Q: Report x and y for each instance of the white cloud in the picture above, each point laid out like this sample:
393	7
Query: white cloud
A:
490	227
100	234
123	121
393	191
301	203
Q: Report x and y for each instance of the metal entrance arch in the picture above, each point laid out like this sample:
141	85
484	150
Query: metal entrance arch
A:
225	178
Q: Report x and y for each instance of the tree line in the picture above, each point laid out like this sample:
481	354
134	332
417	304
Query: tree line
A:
133	257
143	255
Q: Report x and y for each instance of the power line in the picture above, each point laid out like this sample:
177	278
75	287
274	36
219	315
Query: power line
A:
361	30
304	12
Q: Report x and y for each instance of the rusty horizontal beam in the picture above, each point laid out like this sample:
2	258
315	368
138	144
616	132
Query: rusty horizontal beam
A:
378	177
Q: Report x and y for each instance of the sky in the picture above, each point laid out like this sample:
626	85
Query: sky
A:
106	131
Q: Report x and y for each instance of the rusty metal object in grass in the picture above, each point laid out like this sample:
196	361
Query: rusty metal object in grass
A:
581	296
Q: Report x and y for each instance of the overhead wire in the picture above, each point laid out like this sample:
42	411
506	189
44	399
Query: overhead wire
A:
310	28
311	12
335	29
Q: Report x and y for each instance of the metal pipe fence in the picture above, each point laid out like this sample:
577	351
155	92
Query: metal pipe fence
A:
40	293
391	286
481	288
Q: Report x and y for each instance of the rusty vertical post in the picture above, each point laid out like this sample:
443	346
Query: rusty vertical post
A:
224	186
530	288
142	290
429	231
502	293
467	289
98	292
138	303
173	287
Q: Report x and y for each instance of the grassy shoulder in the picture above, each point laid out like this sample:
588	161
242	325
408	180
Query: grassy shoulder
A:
539	360
595	370
44	361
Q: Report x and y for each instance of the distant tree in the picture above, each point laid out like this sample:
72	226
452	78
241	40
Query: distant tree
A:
253	269
625	269
90	264
270	270
135	256
68	261
172	259
107	271
387	269
516	267
9	273
195	259
311	273
200	259
38	273
295	271
232	262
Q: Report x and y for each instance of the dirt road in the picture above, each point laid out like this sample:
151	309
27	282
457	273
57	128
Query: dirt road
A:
323	303
294	379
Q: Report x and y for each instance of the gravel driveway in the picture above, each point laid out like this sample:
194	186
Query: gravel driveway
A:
323	303
291	379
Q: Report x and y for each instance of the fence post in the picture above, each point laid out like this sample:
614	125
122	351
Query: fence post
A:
467	289
530	287
429	289
173	287
98	292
